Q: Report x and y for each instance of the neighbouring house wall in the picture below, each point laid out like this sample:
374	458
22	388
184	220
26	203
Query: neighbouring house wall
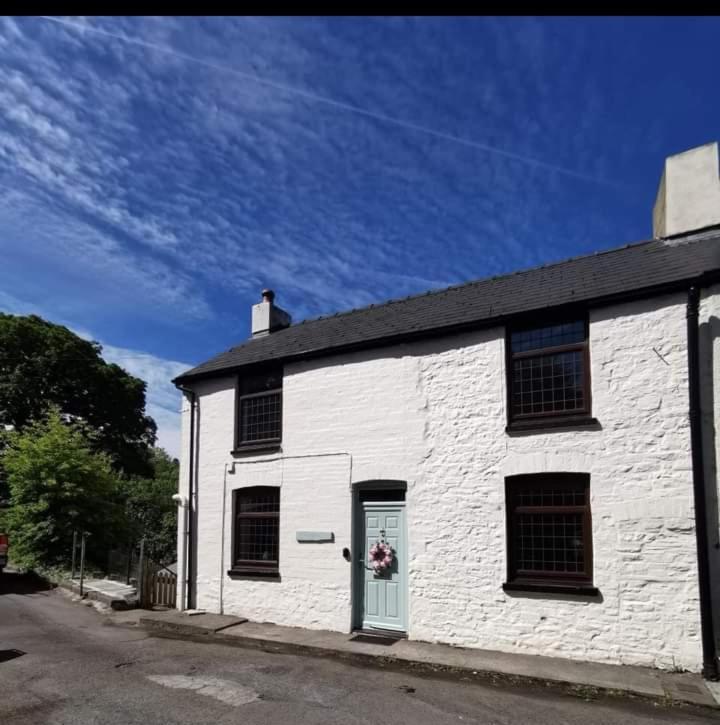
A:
641	500
710	407
432	413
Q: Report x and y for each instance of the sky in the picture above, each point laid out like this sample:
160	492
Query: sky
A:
157	173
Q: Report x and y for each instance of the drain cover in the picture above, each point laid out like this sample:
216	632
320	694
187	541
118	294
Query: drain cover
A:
373	639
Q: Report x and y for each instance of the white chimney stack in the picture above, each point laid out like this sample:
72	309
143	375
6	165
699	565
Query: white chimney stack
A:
688	198
266	317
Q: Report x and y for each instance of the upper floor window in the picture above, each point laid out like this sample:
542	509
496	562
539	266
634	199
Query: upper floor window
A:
260	409
548	370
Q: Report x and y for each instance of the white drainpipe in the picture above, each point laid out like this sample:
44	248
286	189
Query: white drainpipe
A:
182	503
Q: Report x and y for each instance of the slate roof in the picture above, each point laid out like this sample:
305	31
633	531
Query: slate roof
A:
649	266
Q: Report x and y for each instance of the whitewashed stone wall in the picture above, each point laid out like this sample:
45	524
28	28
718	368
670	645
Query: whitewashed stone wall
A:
432	413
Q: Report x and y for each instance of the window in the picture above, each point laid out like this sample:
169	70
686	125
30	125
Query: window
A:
257	530
549	531
259	409
548	372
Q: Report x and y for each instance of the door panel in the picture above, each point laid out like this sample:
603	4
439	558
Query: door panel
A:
384	593
391	600
371	600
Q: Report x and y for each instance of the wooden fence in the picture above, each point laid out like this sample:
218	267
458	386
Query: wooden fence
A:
159	586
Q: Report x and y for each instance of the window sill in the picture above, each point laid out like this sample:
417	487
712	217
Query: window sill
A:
255	449
585	590
539	424
257	574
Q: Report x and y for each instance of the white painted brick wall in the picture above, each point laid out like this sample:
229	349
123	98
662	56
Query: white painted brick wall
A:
433	413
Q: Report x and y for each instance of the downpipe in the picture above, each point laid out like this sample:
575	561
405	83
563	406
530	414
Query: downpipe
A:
182	503
710	664
188	567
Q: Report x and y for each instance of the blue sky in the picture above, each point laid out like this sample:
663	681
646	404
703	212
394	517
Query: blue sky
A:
157	173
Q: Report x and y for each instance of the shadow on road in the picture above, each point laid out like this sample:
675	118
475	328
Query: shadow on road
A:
13	582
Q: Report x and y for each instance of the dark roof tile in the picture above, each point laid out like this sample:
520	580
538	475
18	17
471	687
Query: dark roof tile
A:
634	267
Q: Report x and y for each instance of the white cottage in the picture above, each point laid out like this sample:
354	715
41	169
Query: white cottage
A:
518	463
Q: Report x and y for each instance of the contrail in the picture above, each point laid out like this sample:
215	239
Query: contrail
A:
409	125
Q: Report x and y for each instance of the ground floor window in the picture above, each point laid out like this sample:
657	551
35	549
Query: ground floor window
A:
256	533
549	531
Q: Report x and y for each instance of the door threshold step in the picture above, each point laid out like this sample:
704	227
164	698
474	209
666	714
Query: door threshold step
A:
370	635
374	639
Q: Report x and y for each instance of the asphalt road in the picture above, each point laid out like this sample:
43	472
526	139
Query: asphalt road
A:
62	662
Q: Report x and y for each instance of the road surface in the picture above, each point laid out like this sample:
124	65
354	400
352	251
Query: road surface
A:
63	662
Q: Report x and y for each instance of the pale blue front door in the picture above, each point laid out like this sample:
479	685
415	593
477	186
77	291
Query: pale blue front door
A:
384	604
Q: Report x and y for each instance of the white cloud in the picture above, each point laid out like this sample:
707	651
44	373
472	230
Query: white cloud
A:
103	270
192	161
163	398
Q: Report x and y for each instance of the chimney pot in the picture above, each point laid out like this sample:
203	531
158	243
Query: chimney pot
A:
268	295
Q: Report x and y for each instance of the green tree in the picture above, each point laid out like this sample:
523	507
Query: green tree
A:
58	484
150	511
43	364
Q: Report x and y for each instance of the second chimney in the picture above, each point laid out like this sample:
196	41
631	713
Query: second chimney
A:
688	198
267	317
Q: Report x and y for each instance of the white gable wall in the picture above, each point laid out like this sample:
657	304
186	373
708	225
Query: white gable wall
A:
432	413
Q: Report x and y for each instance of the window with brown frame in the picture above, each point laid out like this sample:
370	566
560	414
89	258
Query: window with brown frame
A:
256	534
548	371
259	414
549	530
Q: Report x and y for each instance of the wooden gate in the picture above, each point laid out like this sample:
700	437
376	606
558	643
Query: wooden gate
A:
159	586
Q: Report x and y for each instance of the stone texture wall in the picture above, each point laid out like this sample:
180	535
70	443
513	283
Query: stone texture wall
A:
432	413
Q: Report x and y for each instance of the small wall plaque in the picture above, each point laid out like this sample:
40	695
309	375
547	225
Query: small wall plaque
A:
315	537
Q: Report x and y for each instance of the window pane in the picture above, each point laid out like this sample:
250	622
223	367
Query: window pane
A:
548	383
263	501
549	496
261	418
539	337
261	382
549	542
257	539
257	526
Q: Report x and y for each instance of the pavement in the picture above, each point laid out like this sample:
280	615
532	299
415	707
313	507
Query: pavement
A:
434	658
64	663
115	594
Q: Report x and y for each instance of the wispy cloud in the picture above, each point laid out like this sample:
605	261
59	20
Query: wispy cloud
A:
101	146
317	98
156	173
106	271
163	398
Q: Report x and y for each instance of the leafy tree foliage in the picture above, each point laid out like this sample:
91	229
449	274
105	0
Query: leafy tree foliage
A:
44	364
150	511
57	484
